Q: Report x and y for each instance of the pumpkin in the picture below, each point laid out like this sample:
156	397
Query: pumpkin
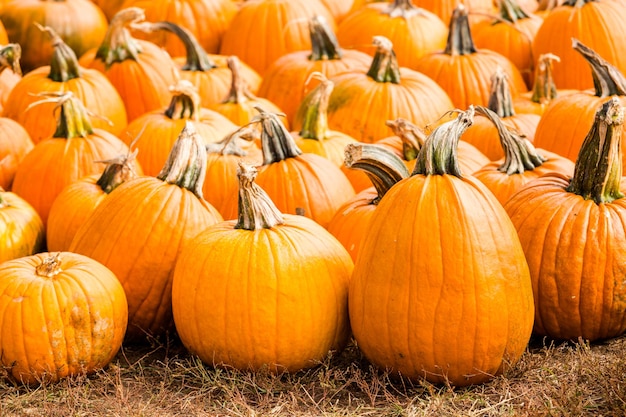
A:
463	71
445	8
484	135
155	132
69	154
10	70
139	229
384	169
583	20
75	203
362	102
521	164
63	315
206	19
80	23
63	73
109	7
263	31
413	31
140	71
423	302
578	281
285	80
15	143
572	115
21	229
266	291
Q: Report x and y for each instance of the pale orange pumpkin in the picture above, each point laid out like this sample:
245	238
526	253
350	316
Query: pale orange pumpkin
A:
21	230
15	143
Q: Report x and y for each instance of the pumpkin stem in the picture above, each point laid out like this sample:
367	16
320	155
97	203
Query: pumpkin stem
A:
117	171
186	163
185	102
277	143
10	58
239	92
229	145
64	64
256	209
50	266
500	99
576	3
315	119
519	153
438	155
384	67
511	11
3	202
402	8
547	5
118	44
382	166
197	58
598	168
73	120
412	137
544	89
607	80
460	40
324	44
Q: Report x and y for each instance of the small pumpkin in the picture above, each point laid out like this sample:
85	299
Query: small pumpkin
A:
10	70
21	230
15	144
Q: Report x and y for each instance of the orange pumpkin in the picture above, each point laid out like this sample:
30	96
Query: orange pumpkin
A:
62	315
21	229
445	8
139	229
10	70
109	7
15	143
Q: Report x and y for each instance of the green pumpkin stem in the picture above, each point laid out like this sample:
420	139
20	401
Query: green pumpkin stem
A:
544	89
64	63
460	40
607	80
256	209
118	44
511	11
239	91
412	137
74	119
186	163
438	155
519	153
382	167
402	8
185	102
50	266
315	108
118	171
277	143
384	67
10	55
500	98
598	168
324	44
229	145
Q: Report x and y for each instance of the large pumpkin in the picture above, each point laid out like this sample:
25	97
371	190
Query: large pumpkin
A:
62	315
266	291
441	288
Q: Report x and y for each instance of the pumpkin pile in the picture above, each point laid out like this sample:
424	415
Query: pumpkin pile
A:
270	179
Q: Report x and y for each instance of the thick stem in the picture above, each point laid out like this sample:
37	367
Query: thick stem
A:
185	102
10	58
315	120
511	11
544	89
384	68
50	266
607	80
598	168
229	145
324	44
277	143
547	5
402	8
73	120
186	163
382	166
239	92
500	99
117	171
118	44
256	209
460	40
438	156
64	63
412	137
519	153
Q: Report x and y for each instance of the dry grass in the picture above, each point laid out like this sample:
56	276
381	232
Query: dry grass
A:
163	380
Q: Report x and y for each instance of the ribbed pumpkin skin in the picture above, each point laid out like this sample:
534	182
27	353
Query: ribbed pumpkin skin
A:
453	301
275	28
444	8
15	143
56	162
8	79
70	324
275	297
92	88
137	232
589	298
21	230
412	38
206	19
360	106
583	23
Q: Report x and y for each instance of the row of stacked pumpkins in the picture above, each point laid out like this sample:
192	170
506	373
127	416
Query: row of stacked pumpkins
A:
240	177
